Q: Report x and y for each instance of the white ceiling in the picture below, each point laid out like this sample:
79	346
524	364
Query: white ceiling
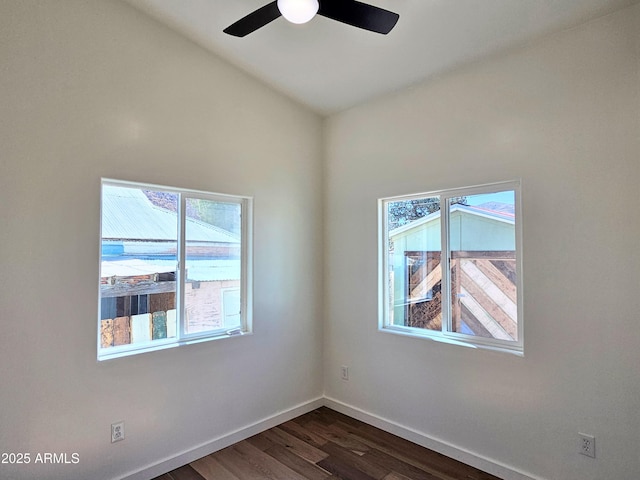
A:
330	66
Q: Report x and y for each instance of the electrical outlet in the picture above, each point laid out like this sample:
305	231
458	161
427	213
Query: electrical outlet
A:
344	372
117	432
587	445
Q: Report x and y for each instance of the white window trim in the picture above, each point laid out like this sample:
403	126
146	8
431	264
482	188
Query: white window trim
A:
246	279
447	336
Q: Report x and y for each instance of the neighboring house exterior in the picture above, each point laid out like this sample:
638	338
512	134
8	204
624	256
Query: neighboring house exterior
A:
139	266
483	271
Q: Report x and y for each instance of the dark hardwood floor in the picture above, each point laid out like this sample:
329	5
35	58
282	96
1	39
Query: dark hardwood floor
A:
325	444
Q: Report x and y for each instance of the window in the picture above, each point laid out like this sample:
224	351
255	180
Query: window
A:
450	266
174	267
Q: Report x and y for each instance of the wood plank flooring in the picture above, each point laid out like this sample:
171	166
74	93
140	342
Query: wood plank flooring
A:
325	444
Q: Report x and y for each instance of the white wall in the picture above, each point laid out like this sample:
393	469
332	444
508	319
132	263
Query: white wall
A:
91	89
94	88
563	115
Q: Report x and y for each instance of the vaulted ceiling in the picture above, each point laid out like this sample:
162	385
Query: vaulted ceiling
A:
330	66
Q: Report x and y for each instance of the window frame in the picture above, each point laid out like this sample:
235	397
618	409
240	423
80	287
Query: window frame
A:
246	272
447	335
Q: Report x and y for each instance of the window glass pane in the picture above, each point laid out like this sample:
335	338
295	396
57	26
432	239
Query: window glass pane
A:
213	265
483	266
414	281
138	265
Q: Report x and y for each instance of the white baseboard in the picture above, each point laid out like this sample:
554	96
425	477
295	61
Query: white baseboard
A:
464	456
223	441
485	464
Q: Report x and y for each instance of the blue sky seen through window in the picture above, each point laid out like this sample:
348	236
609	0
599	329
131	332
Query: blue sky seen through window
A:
502	197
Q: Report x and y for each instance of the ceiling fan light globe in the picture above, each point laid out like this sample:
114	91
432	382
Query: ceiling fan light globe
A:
298	11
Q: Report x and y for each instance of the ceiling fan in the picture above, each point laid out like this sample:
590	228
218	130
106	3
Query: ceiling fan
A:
351	12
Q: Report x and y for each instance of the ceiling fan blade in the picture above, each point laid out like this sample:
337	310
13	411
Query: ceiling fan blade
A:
359	14
254	20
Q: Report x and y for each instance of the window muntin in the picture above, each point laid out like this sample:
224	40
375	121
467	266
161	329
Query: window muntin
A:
147	300
450	266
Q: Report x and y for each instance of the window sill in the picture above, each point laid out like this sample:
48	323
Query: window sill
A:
442	338
128	350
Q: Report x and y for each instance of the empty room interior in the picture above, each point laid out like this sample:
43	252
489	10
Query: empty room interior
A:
314	136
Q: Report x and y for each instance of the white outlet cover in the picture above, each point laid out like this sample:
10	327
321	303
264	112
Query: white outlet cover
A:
587	445
117	432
